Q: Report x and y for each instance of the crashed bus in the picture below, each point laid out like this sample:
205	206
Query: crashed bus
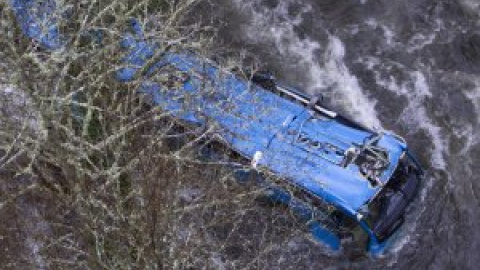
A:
337	174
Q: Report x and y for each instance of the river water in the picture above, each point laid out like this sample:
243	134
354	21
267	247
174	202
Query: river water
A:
410	66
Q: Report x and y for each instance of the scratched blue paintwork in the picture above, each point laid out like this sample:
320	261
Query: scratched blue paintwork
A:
253	119
249	118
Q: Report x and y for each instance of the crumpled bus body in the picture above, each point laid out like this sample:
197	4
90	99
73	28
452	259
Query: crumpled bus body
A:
352	173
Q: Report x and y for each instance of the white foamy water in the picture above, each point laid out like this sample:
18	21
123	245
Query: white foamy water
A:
472	6
325	66
417	91
415	114
348	92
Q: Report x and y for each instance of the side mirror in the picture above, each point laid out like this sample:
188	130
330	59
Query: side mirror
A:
265	74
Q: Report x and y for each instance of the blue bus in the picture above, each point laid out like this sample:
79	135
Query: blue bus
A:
337	175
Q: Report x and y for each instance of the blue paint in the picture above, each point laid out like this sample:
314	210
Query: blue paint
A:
324	235
38	21
278	195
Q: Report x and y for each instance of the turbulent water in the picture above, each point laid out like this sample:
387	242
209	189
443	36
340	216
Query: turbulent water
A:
411	66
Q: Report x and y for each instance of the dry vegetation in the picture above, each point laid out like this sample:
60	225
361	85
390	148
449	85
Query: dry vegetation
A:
92	177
